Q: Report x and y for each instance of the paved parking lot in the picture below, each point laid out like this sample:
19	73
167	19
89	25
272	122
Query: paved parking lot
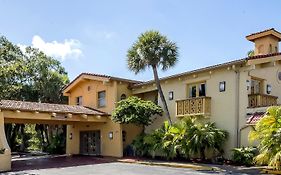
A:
114	168
84	165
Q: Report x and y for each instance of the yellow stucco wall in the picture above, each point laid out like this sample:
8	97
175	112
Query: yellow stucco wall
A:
114	89
109	147
228	109
5	159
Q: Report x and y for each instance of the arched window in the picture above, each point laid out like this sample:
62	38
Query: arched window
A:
123	97
270	48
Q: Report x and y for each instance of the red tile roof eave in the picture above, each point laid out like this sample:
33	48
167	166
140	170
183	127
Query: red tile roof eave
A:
99	75
263	32
48	108
264	56
240	61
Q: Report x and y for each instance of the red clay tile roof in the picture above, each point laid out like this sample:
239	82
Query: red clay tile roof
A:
230	63
103	76
262	32
264	56
48	107
255	118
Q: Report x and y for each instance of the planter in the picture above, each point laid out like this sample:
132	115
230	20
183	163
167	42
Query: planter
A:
5	162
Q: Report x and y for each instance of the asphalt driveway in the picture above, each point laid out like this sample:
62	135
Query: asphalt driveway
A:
114	168
85	165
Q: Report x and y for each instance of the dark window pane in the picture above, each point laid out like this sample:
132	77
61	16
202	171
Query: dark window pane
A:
202	90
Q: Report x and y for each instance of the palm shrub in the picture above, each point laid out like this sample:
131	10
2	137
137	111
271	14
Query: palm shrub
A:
268	133
186	138
244	155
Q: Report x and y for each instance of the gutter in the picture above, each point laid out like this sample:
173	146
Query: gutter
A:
237	107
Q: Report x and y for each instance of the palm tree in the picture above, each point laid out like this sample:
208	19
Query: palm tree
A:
153	50
268	133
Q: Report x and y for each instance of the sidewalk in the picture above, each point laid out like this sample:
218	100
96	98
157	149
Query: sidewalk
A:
227	169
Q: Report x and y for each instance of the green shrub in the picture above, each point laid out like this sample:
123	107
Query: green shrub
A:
184	139
244	156
57	144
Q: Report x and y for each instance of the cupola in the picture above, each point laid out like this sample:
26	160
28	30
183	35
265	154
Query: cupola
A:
266	42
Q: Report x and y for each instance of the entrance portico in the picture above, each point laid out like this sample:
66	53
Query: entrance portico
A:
77	118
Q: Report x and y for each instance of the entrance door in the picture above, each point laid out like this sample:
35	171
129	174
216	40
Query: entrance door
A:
90	142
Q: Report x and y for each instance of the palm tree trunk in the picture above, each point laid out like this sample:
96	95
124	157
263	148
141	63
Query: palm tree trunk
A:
157	82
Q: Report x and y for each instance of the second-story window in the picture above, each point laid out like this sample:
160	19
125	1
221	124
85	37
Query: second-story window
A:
197	90
79	100
101	99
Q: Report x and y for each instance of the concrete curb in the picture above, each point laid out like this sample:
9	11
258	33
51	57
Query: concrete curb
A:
174	165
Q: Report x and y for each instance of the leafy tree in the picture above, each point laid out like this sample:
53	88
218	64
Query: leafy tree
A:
136	111
28	75
153	50
268	133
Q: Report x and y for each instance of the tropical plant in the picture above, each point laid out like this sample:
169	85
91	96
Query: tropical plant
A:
268	133
153	50
136	111
250	53
244	155
204	137
185	138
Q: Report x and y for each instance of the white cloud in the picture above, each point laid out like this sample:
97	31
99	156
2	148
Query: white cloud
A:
70	48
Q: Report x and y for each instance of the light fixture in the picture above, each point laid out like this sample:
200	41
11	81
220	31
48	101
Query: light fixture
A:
222	86
171	95
70	136
110	135
248	84
268	89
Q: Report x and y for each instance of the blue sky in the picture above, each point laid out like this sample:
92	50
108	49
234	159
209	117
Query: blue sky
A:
94	36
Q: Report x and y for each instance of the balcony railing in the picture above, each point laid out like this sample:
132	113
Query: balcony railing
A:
261	100
193	107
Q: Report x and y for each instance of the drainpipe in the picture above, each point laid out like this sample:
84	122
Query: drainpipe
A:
237	107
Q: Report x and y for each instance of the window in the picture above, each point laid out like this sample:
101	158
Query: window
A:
123	97
202	90
171	95
197	90
270	48
79	100
256	86
101	99
192	91
222	86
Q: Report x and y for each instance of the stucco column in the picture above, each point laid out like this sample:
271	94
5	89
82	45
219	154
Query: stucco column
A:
72	140
5	159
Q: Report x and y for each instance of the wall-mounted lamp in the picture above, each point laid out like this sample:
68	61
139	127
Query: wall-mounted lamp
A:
222	86
70	136
248	84
171	95
268	89
110	135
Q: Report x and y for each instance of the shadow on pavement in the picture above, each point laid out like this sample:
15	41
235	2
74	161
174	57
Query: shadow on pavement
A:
55	162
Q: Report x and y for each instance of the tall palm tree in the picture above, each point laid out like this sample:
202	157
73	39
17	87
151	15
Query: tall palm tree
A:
153	50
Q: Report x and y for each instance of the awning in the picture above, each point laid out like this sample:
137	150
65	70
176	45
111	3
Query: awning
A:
254	118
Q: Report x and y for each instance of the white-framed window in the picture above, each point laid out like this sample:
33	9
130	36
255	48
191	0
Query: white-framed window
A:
197	90
101	99
79	100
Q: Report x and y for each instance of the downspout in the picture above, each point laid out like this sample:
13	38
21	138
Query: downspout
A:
237	106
